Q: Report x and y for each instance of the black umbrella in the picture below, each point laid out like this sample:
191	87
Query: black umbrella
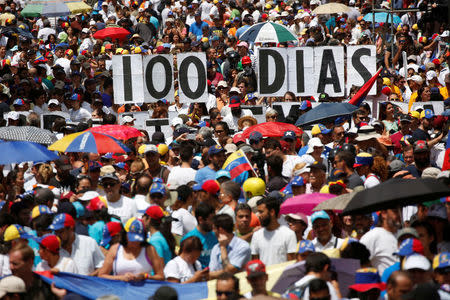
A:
325	111
11	31
27	133
396	192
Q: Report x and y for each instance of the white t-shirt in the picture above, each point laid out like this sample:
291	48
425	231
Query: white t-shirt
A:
381	244
273	246
179	176
86	254
125	208
186	222
178	268
80	115
141	204
64	264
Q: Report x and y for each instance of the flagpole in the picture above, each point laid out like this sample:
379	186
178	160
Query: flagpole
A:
254	172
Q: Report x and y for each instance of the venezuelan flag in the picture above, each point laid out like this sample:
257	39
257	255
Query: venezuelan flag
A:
364	90
446	165
237	163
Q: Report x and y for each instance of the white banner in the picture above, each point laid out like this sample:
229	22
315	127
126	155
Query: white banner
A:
272	72
360	66
192	77
329	71
158	80
128	79
299	77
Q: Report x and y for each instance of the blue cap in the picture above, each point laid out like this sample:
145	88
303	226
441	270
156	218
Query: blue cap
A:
158	179
255	137
135	230
19	102
428	114
321	214
215	150
197	187
75	97
93	165
297	181
223	173
305	105
120	165
108	155
304	246
79	208
323	129
157	188
214	38
289	135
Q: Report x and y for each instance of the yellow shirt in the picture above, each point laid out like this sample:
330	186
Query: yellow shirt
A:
412	100
444	92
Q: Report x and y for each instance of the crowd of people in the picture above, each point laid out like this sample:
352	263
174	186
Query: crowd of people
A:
168	210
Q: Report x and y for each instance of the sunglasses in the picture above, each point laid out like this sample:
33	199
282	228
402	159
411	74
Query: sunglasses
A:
226	293
109	184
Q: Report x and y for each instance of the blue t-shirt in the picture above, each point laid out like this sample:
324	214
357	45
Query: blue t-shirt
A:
158	241
35	246
204	174
208	241
196	28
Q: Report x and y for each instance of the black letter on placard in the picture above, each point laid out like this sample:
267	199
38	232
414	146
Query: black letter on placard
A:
280	71
300	71
127	85
149	76
184	77
359	66
328	63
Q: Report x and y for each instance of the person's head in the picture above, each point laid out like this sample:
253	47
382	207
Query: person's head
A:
297	222
344	160
398	284
12	288
157	193
319	264
274	165
223	224
322	226
217	156
338	134
351	248
227	287
204	214
243	214
63	225
49	246
408	155
441	267
362	223
318	290
421	154
142	185
111	185
257	276
368	285
418	267
21	258
390	219
229	191
427	235
268	209
317	176
305	248
191	248
152	155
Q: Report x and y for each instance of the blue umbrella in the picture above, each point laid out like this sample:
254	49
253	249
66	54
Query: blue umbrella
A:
382	17
325	111
21	151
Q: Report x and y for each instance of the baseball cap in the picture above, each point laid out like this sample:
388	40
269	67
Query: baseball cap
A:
223	173
150	148
314	142
296	216
255	268
12	284
416	78
407	231
50	242
89	195
222	83
289	135
75	97
319	128
305	105
127	119
441	260
14	232
63	163
110	230
426	113
437	211
211	187
235	101
112	176
215	150
157	188
305	246
40	210
135	230
409	247
242	44
155	212
230	148
321	214
297	181
367	279
420	146
416	261
61	221
255	137
53	102
318	165
363	159
19	102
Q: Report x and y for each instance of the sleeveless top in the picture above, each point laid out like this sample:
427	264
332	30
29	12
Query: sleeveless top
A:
141	264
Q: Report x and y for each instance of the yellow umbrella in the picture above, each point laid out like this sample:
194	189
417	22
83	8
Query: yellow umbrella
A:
331	8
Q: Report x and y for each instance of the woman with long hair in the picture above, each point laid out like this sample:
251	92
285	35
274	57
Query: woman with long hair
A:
388	119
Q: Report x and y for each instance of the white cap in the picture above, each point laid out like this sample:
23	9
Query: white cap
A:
305	169
88	196
445	34
235	89
105	3
176	121
12	284
284	14
416	261
13	115
222	83
416	78
150	148
314	142
127	119
431	74
230	148
314	2
85	30
53	101
305	14
92	23
298	17
141	9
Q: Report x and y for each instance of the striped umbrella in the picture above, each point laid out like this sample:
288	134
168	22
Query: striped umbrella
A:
54	8
91	142
268	32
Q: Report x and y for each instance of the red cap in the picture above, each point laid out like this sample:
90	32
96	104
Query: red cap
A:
50	242
238	137
255	268
211	187
264	16
386	90
160	49
155	212
114	228
246	60
436	62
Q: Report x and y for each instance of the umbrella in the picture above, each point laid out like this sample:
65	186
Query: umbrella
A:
87	141
268	32
325	111
11	31
303	203
28	133
272	129
396	192
49	8
381	17
120	132
331	8
115	33
15	152
338	203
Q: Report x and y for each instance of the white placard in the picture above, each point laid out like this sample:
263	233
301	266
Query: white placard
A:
300	62
192	80
361	65
158	77
272	72
329	70
128	79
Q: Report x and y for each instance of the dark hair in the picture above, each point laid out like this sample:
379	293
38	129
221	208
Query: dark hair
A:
275	163
356	251
271	203
42	222
272	143
186	152
228	276
224	221
224	126
231	188
203	210
184	191
316	262
190	244
347	157
242	206
317	285
109	119
430	230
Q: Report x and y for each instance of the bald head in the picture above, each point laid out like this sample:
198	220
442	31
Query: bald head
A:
143	185
44	196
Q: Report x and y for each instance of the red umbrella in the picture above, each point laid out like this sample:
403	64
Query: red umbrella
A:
303	203
272	129
120	132
115	33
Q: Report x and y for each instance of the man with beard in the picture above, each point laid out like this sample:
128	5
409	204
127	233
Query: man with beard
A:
381	241
217	158
272	244
63	180
362	224
421	159
204	214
